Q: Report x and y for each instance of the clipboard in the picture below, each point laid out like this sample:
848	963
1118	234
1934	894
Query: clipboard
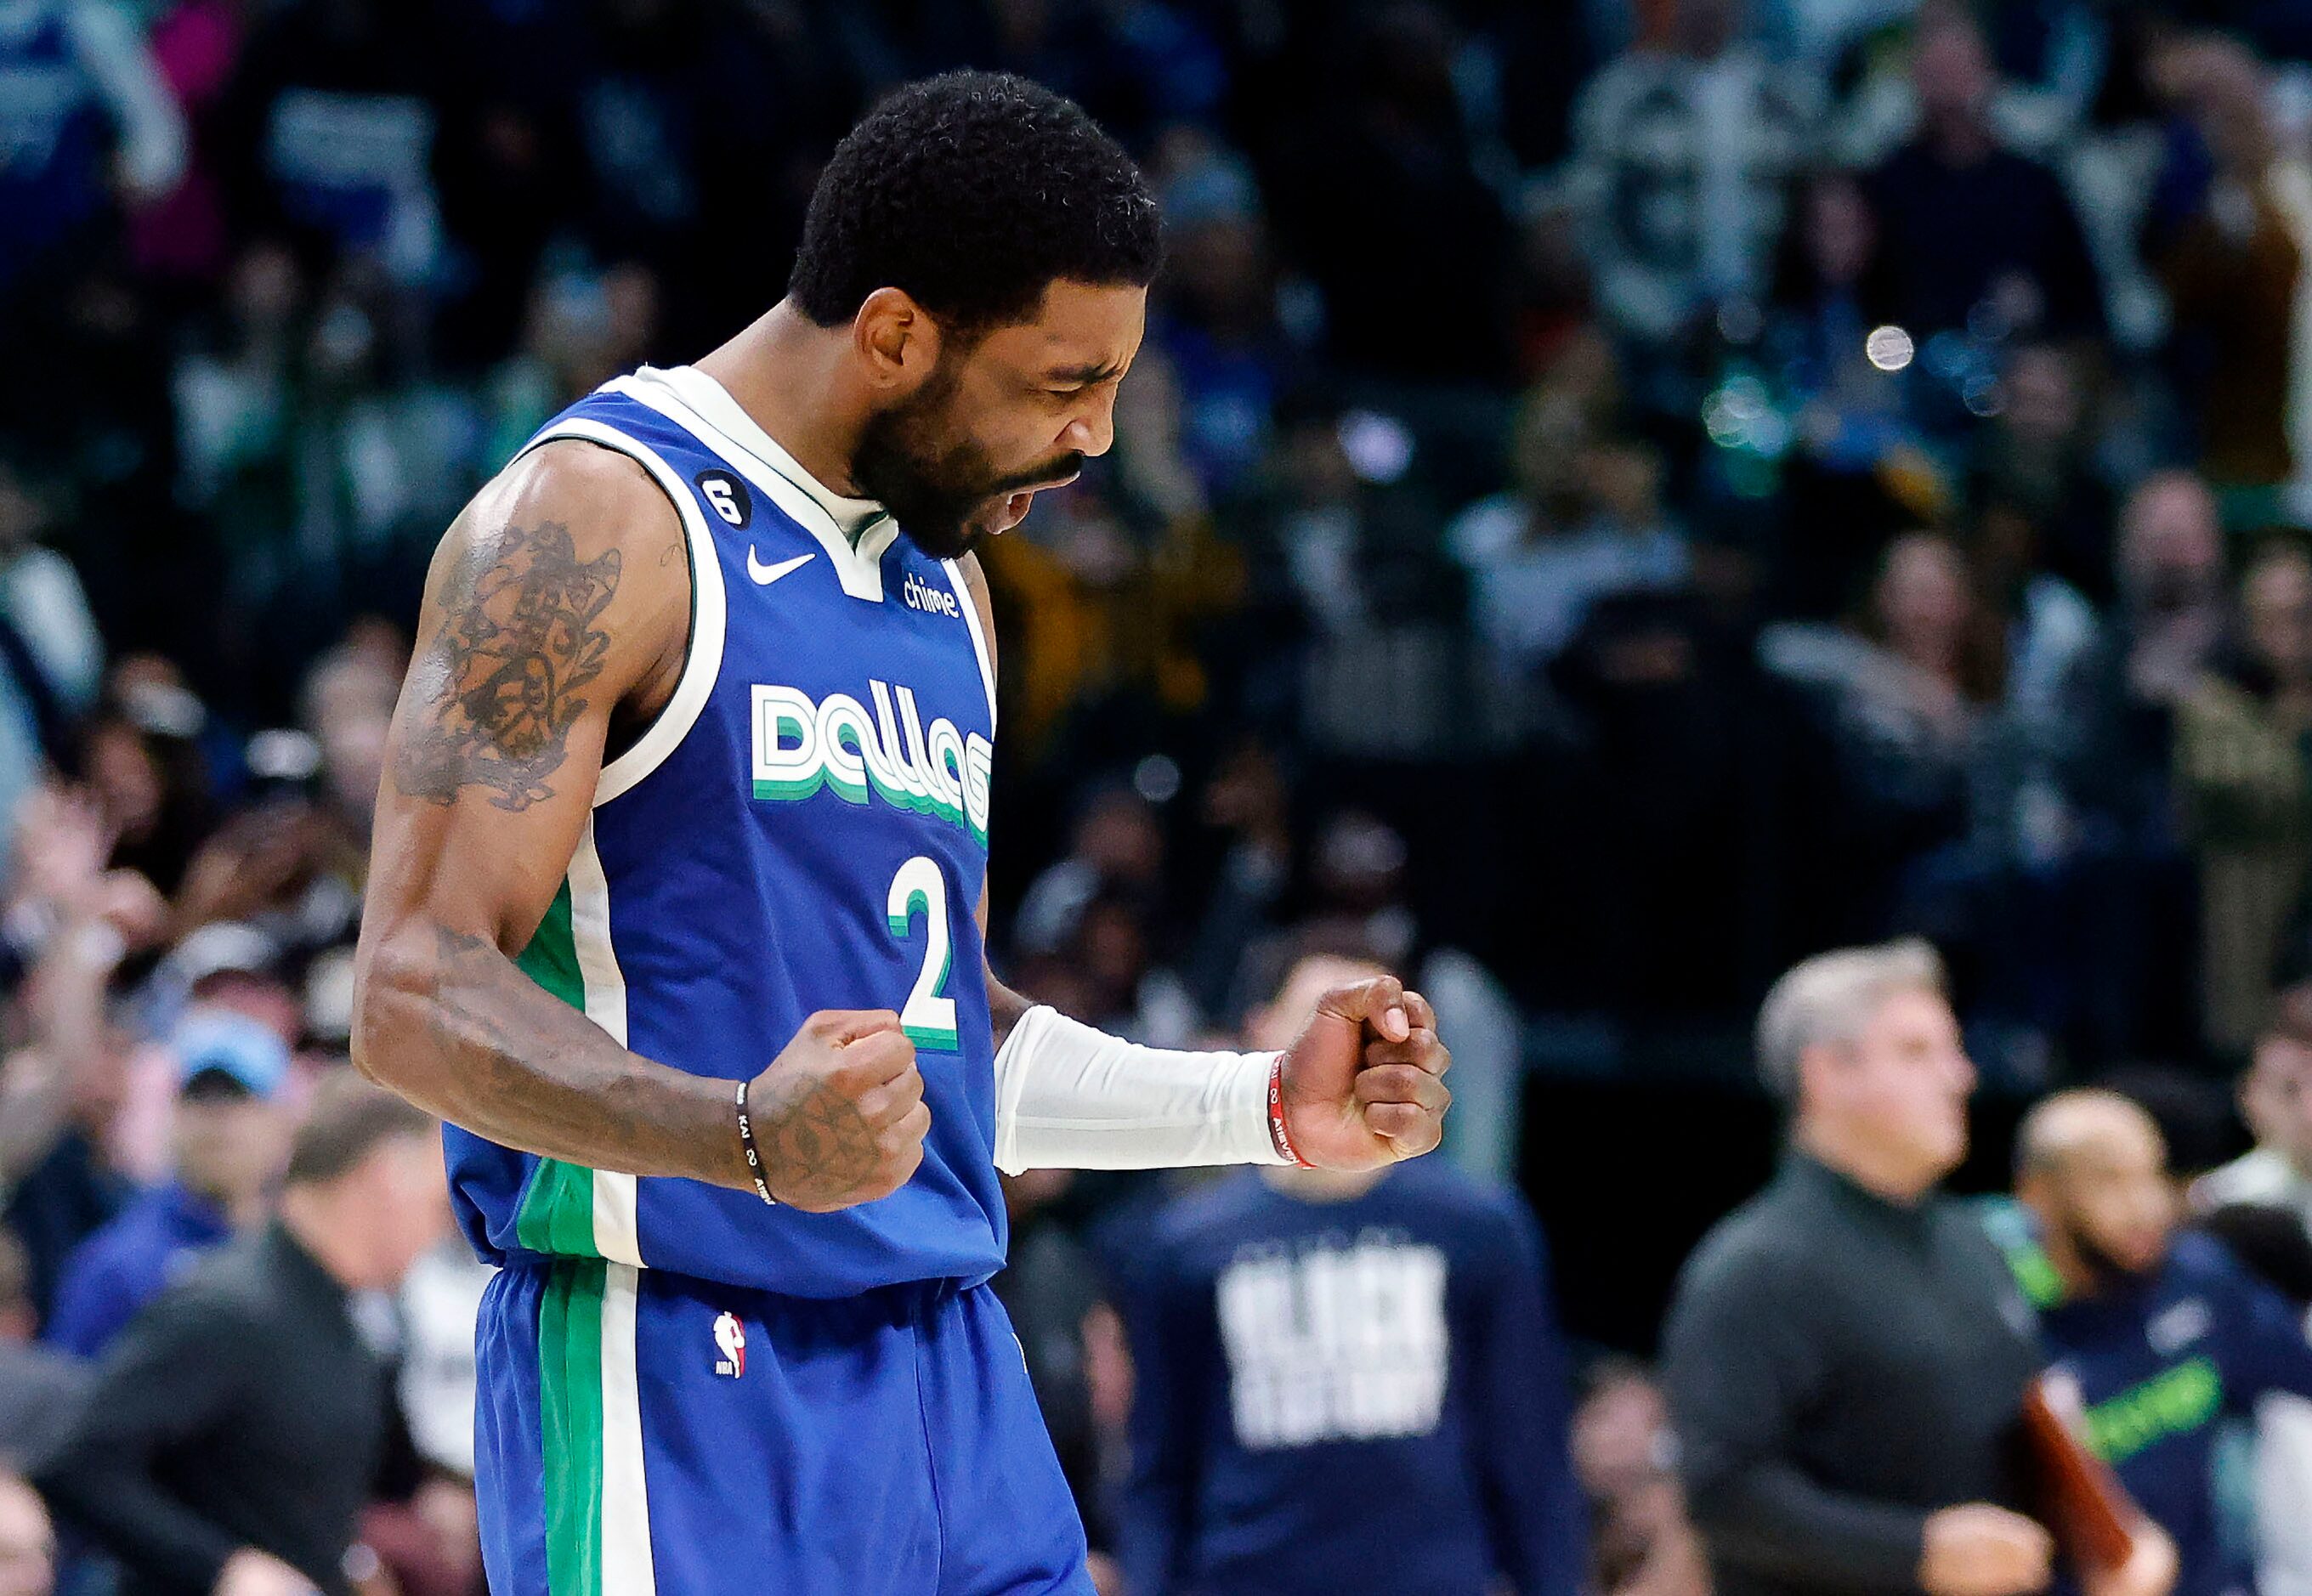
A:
2076	1494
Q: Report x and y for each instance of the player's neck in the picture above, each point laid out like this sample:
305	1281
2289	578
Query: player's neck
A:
786	372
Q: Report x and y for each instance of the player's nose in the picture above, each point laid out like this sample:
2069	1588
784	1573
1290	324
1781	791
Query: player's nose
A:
1094	429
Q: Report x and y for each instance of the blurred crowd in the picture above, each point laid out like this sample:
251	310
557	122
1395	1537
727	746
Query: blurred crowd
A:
1618	495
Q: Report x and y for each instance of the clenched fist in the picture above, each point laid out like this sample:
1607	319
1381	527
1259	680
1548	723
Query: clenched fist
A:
839	1115
1363	1082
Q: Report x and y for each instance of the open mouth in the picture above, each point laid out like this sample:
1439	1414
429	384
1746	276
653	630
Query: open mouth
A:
1013	507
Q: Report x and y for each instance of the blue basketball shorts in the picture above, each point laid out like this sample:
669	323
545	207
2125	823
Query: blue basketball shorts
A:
637	1431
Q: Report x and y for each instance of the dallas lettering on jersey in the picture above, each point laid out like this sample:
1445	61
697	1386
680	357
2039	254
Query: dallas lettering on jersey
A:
801	746
1337	1343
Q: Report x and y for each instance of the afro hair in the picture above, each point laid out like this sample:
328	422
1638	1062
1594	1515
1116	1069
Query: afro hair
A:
971	192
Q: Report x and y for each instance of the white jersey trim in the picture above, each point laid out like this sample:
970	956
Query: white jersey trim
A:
709	611
679	395
626	1567
978	638
616	1230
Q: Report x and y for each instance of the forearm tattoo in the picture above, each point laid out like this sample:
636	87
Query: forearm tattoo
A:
527	1069
520	637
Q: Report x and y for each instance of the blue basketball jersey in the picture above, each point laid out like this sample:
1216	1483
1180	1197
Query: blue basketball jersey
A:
803	827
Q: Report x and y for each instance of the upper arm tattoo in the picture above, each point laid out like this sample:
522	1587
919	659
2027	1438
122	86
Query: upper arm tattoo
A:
499	684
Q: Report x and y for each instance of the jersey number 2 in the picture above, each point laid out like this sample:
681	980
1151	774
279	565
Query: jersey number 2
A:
929	1017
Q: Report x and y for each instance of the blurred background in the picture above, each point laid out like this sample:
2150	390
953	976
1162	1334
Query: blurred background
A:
1618	495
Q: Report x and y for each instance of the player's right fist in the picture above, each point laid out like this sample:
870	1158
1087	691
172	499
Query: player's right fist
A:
839	1116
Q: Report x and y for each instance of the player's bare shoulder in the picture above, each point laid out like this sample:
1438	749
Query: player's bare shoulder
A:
560	595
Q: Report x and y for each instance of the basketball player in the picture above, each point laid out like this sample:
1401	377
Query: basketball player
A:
675	908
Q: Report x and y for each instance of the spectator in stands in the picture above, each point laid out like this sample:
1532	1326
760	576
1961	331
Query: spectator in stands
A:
580	330
1684	149
39	1385
2275	1101
72	921
1902	694
292	860
1624	1452
327	134
141	763
1967	223
50	654
1112	944
700	128
1118	845
2037	461
231	1132
2227	237
1247	803
1308	1344
1831	286
89	117
2040	626
344	705
1217	321
1555	298
2245	789
2273	1245
431	1543
2166	1336
1367	608
1846	1356
2019	899
181	236
2173	618
1586	521
229	1440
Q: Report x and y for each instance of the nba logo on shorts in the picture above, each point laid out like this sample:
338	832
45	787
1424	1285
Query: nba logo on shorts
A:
731	1336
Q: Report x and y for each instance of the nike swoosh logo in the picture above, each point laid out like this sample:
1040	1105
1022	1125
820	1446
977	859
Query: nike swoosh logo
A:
765	575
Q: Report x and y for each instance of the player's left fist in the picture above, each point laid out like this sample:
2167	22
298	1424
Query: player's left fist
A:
1363	1083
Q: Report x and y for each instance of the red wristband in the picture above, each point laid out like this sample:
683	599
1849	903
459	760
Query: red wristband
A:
1277	1133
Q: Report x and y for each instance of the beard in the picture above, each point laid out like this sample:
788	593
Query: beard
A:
937	483
2103	1264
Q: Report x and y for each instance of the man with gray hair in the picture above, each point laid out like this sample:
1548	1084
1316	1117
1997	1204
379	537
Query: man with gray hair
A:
1847	1356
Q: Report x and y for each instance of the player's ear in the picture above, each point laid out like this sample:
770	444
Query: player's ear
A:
896	340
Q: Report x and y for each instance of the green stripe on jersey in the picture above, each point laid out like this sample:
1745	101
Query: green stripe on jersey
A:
570	1390
557	1208
551	959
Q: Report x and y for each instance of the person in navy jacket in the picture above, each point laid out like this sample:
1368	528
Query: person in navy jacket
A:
2166	1336
1346	1383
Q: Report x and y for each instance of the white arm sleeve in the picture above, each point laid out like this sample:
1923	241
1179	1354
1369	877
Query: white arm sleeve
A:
1070	1097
